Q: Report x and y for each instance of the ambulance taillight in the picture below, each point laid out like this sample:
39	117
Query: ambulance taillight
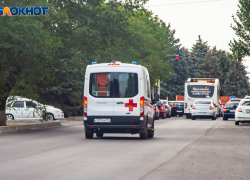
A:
85	103
142	106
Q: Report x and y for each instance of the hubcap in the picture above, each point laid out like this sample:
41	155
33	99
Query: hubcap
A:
9	117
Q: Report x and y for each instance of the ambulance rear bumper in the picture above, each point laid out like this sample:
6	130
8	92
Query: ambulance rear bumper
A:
123	122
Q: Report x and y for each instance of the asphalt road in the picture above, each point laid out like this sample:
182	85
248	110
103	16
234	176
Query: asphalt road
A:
182	149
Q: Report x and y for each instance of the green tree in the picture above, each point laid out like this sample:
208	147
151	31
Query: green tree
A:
197	57
236	83
241	47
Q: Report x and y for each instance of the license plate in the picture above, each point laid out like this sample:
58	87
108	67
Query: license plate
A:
248	110
179	111
100	120
202	112
232	110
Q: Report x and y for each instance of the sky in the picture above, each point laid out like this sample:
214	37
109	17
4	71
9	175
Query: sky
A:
211	19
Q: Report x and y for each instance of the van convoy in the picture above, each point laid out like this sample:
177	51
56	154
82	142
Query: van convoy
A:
117	99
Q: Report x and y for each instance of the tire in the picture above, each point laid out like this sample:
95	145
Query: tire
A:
214	118
49	117
9	117
151	131
168	116
237	122
180	115
99	134
193	118
88	134
144	134
224	118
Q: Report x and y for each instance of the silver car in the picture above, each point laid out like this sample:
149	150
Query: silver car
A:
203	108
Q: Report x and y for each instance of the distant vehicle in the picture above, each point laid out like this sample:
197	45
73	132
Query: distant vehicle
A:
117	99
201	88
229	110
168	108
177	108
233	99
162	110
242	113
21	108
203	108
247	97
171	102
157	112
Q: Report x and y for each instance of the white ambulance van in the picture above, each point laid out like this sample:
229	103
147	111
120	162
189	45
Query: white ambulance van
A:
117	99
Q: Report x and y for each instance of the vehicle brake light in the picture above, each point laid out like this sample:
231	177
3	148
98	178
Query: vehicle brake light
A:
193	107
154	108
172	105
224	110
161	106
167	106
239	110
211	107
114	64
85	103
186	105
142	106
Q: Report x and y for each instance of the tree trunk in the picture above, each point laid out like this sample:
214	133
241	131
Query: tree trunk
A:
2	112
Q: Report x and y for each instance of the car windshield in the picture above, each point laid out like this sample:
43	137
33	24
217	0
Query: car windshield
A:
159	103
203	102
179	104
245	103
232	104
164	102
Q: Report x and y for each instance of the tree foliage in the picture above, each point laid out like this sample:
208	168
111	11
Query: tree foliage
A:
241	47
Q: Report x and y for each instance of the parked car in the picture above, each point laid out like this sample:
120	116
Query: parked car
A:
20	108
157	112
177	108
162	110
203	108
242	113
229	110
168	108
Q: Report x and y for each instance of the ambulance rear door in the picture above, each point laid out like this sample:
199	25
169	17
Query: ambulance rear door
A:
127	91
100	95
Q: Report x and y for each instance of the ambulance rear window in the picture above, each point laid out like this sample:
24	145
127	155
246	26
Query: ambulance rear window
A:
125	84
113	84
100	84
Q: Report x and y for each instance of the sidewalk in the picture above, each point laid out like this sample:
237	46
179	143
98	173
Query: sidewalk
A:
35	124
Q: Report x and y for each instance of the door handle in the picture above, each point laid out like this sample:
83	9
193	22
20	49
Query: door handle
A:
120	102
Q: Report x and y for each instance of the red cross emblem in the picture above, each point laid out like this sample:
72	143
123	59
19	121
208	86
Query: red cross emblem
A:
131	105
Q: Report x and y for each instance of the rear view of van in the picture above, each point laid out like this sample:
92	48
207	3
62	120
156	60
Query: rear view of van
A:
117	99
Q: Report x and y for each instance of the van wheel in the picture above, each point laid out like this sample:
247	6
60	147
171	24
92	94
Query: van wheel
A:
168	116
88	134
224	118
193	118
237	122
144	135
214	118
151	131
99	134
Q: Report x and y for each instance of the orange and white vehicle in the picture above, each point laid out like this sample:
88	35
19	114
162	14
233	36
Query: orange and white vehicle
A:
201	89
117	99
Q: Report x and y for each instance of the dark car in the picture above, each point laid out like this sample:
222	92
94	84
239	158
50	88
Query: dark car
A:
229	110
157	112
162	109
177	108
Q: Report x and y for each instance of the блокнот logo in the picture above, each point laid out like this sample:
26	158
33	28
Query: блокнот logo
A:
25	11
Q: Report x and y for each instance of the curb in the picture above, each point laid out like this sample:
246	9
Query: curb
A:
29	126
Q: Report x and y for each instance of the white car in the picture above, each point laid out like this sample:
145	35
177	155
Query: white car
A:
242	113
20	108
203	108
